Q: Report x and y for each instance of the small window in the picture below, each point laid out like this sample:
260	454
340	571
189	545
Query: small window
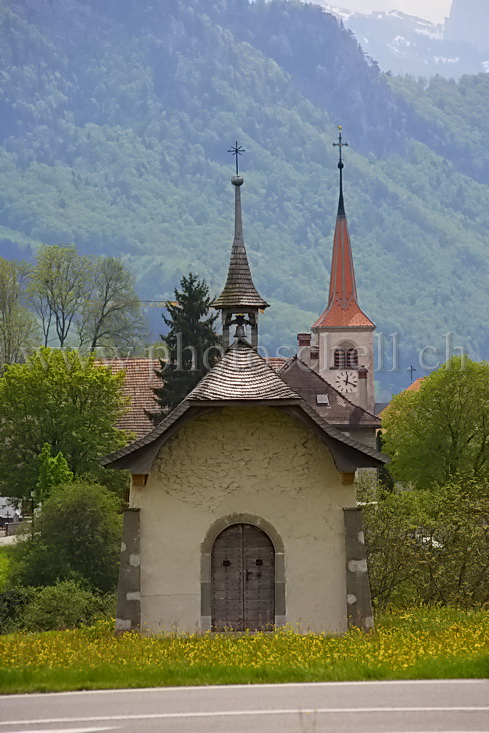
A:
322	399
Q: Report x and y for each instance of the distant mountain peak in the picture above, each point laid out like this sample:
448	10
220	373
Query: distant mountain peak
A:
407	44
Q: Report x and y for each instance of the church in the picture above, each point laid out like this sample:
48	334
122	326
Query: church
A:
242	510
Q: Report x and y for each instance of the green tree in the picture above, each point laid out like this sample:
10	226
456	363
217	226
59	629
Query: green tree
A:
65	401
112	315
429	547
18	327
441	431
53	471
60	284
193	346
77	537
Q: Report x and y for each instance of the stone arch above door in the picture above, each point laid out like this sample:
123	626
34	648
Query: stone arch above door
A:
206	554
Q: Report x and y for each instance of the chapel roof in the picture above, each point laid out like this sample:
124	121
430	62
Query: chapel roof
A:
139	381
242	374
242	377
335	408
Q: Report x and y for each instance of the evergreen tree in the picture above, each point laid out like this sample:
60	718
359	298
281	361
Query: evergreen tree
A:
192	345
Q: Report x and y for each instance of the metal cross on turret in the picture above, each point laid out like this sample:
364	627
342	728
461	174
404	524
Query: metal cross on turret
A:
340	144
237	150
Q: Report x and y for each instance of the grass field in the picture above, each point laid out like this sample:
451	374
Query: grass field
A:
423	643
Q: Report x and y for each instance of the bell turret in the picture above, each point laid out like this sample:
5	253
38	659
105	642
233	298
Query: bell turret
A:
239	301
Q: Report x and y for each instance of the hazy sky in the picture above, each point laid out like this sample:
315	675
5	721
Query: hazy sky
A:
434	10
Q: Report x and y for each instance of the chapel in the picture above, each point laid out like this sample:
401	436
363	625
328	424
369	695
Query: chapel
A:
242	510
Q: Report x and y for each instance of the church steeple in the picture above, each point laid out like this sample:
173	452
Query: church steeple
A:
239	296
342	310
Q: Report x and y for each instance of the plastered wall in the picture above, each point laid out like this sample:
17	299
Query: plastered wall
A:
243	460
363	340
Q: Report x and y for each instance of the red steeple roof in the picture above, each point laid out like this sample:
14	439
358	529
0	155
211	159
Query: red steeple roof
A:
342	310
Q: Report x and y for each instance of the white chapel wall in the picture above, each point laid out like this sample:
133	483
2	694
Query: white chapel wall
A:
243	460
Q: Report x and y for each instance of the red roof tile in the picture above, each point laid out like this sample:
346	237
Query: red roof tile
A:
138	383
414	387
343	310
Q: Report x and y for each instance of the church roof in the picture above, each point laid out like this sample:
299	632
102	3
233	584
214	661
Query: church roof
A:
334	407
243	377
139	381
239	290
342	310
413	387
242	374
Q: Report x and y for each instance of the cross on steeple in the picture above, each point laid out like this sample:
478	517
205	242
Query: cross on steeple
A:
236	150
340	144
411	369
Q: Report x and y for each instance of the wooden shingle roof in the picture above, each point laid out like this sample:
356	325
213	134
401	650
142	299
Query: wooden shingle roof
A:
239	291
242	374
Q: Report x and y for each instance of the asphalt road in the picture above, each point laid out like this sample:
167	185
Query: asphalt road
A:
445	706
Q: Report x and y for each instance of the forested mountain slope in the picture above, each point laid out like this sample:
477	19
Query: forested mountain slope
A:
116	117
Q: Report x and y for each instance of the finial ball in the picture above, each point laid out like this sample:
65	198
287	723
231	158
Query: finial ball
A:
237	180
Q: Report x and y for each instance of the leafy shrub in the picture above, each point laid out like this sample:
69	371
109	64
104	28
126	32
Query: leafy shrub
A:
429	547
12	603
77	537
62	606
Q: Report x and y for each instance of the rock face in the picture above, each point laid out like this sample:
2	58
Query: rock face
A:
405	44
468	22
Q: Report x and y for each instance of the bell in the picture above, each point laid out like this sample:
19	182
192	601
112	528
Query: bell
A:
240	332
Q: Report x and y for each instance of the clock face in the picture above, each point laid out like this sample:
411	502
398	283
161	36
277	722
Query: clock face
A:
346	381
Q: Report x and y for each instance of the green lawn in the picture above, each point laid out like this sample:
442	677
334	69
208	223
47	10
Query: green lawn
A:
422	643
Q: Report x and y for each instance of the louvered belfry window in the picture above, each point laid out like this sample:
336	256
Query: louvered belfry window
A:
339	359
352	358
345	358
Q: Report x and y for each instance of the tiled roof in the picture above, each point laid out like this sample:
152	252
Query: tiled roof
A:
239	290
416	385
276	362
413	387
138	383
343	310
242	374
336	408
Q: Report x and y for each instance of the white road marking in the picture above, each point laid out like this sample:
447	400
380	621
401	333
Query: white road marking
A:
65	730
232	713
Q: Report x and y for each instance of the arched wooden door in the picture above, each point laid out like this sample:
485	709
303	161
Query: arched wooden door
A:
243	579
